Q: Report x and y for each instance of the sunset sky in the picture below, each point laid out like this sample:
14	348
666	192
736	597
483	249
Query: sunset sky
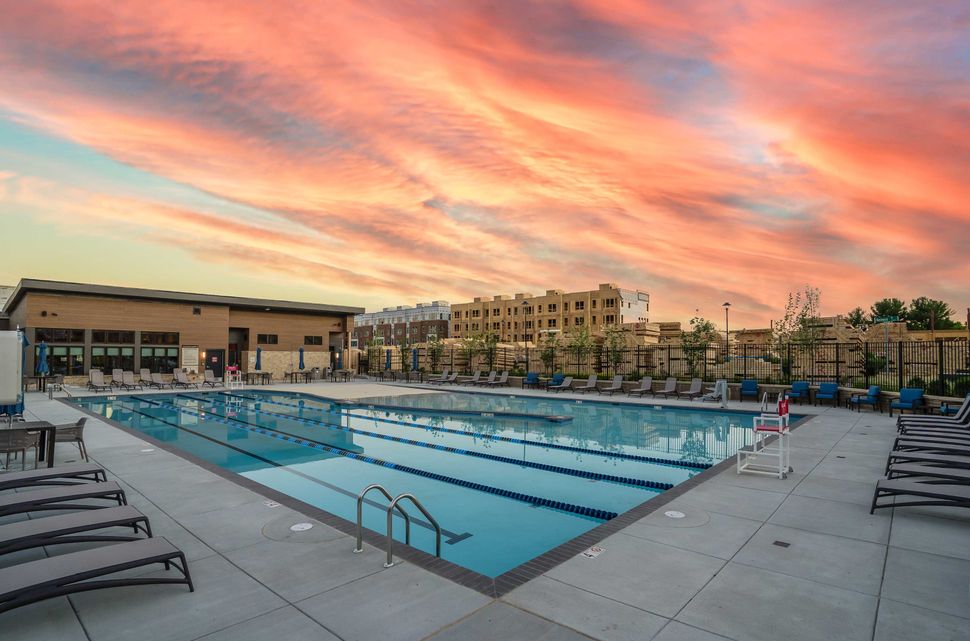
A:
381	153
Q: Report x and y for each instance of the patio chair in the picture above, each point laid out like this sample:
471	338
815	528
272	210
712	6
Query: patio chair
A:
73	433
615	386
916	471
181	380
18	441
35	581
489	380
71	528
531	380
117	376
128	381
870	398
158	382
670	387
556	379
646	387
566	383
947	460
910	398
62	475
59	498
210	379
591	384
800	390
466	380
828	392
749	387
924	494
938	427
145	377
693	391
451	378
440	378
96	381
501	381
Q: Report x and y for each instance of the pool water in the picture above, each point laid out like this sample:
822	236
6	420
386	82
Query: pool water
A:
505	482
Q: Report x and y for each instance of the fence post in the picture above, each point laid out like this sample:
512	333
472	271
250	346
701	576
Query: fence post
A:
941	354
865	362
899	364
744	357
838	369
791	367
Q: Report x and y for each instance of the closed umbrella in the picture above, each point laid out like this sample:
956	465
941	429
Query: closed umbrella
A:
301	359
414	359
259	358
387	361
42	367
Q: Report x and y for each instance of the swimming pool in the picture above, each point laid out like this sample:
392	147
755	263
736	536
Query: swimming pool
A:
507	477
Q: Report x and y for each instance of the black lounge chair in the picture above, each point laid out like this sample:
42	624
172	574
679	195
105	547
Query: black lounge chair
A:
59	498
961	418
35	581
912	470
615	386
646	387
948	460
591	384
65	475
71	528
936	493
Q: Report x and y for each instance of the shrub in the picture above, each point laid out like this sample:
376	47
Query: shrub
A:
960	387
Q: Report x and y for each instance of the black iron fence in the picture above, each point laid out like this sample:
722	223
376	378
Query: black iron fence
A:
941	367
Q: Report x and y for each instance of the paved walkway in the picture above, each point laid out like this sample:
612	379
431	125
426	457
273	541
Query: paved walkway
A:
753	558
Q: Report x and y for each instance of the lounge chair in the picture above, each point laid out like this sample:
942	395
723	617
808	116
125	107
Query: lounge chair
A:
501	381
117	377
96	381
181	380
556	379
450	380
158	382
69	528
566	383
670	387
749	387
531	380
210	379
646	387
870	398
961	418
926	493
948	460
693	391
73	433
59	498
145	377
938	446
718	393
440	378
910	398
591	384
489	380
828	392
614	387
35	581
470	380
128	381
913	470
63	475
800	390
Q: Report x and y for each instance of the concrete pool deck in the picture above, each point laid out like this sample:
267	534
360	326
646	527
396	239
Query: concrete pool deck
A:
753	558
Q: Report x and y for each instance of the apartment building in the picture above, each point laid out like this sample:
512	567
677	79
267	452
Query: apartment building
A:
525	317
422	323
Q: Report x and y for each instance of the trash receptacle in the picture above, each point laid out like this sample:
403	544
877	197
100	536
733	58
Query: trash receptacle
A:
315	373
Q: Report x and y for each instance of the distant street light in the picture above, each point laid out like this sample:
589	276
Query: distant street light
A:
727	329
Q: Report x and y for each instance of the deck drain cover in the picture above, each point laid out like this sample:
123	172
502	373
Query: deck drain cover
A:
674	514
271	504
300	527
839	456
781	544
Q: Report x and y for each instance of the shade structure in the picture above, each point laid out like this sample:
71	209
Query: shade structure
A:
259	358
302	365
42	367
387	360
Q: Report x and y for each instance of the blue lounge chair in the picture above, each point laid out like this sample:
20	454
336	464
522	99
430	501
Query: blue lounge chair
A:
869	398
749	387
800	390
531	380
910	398
828	392
555	381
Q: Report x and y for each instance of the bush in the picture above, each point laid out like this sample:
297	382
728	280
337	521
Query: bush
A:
933	387
960	387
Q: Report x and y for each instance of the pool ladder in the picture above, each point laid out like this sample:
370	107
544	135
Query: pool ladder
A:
394	504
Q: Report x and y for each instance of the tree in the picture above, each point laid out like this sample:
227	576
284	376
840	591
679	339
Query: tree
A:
927	313
548	344
857	317
889	307
579	342
694	343
436	350
800	321
471	346
404	345
614	338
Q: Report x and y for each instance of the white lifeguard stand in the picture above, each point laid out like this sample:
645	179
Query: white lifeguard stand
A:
773	460
233	378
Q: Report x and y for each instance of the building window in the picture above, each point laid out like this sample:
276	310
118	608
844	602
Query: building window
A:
553	307
197	311
159	359
313	340
594	318
551	323
476	313
49	335
159	338
107	358
579	321
565	306
104	336
63	359
528	324
594	303
457	327
267	339
565	322
580	305
609	302
540	309
610	319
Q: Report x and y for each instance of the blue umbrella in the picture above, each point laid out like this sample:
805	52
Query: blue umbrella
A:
259	358
387	361
42	367
301	359
414	359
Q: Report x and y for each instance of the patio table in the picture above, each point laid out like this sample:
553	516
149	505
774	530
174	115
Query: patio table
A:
47	441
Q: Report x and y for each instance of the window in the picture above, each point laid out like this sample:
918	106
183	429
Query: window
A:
565	306
197	311
579	320
593	321
594	303
496	312
108	358
59	335
609	302
159	338
580	305
313	340
528	324
610	319
457	327
553	307
540	309
496	325
552	322
565	322
161	360
112	336
267	339
63	359
476	313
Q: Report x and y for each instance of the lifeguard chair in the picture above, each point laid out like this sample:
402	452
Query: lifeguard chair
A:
233	377
761	458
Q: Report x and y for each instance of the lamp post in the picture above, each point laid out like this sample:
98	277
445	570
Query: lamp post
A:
525	306
727	330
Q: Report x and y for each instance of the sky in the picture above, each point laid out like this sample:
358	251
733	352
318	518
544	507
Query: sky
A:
382	153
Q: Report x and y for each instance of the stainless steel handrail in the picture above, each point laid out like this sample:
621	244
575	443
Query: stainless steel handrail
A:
360	516
390	527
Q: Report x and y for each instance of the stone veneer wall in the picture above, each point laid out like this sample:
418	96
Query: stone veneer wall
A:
278	363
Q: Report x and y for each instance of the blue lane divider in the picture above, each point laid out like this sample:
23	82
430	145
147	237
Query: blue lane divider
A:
596	513
596	476
497	437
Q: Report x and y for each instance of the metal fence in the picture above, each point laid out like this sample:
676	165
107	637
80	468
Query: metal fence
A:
941	367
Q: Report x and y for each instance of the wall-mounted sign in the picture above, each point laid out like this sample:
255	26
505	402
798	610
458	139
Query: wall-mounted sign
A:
190	358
